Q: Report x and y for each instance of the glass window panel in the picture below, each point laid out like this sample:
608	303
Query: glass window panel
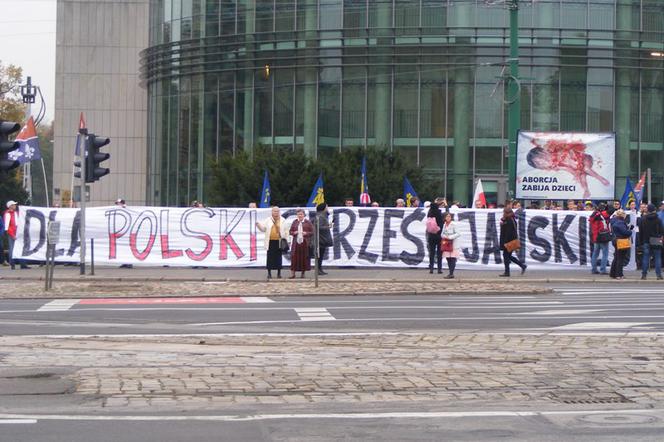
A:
354	113
264	15
488	159
330	14
434	17
285	16
329	95
652	106
211	18
407	17
653	16
228	14
433	110
600	108
355	17
602	14
405	103
263	108
574	15
283	102
226	123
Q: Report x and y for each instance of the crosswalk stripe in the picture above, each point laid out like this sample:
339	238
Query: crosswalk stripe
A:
58	305
314	314
18	421
601	325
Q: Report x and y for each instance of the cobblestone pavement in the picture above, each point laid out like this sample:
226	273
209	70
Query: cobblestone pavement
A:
166	373
83	289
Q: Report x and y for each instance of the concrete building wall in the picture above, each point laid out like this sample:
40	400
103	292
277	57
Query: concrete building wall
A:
97	73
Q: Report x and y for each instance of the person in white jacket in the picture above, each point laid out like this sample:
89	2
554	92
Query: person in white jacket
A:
275	229
450	243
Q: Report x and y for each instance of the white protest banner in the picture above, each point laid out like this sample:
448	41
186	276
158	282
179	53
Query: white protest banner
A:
363	237
557	165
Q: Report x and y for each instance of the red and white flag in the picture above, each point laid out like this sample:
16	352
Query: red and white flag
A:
479	195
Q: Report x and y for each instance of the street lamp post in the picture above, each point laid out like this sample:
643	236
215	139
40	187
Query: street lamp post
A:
514	97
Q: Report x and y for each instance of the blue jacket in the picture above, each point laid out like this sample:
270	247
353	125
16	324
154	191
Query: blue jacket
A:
660	214
2	226
619	228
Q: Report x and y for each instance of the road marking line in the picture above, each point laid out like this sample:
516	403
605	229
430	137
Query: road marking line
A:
386	415
58	305
192	300
256	299
602	325
18	421
561	312
314	314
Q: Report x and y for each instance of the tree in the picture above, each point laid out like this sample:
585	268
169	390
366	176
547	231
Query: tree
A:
236	180
11	109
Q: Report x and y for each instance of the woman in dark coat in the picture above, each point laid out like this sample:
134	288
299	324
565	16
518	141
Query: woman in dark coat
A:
508	232
433	239
302	231
620	230
324	235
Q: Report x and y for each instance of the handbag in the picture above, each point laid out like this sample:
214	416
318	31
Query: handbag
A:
655	241
513	245
283	245
623	243
446	245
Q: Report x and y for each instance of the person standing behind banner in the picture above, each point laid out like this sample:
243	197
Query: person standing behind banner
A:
275	230
302	231
600	236
450	235
324	235
508	234
434	226
651	230
620	231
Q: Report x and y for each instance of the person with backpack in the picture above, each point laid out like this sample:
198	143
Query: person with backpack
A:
434	226
600	237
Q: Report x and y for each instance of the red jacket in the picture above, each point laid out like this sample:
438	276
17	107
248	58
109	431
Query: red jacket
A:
598	221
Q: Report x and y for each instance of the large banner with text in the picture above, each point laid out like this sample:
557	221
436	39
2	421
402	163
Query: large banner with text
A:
563	165
229	237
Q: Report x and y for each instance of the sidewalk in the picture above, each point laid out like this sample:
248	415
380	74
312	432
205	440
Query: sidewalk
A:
181	282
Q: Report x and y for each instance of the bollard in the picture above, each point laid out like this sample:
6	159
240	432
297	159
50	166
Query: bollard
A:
92	256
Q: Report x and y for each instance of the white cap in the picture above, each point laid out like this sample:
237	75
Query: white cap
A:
11	203
427	204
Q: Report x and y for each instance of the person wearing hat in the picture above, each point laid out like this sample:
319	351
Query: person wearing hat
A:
10	220
651	231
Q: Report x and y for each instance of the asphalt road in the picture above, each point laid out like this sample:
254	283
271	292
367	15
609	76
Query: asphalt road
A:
569	309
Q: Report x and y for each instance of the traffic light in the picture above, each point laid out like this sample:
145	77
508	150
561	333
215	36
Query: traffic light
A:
7	128
93	171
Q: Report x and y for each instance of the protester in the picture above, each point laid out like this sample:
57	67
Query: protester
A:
600	236
415	202
252	205
375	204
301	230
479	204
571	205
10	221
324	235
275	230
400	203
455	205
508	233
589	206
651	231
612	209
2	242
516	205
434	225
348	202
621	231
450	244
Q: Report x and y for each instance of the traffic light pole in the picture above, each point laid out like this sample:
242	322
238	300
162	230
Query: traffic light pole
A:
83	152
514	92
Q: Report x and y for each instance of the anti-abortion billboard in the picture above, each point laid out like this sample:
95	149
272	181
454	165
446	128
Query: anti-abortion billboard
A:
565	165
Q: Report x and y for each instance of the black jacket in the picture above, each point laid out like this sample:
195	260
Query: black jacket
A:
436	213
507	231
325	238
651	226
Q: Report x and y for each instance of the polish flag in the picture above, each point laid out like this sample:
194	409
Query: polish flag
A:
479	194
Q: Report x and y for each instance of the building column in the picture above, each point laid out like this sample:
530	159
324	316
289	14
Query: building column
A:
383	69
249	74
311	79
543	110
463	115
623	102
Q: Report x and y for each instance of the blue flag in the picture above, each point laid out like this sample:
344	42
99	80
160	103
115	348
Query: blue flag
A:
409	193
317	194
628	195
266	194
365	199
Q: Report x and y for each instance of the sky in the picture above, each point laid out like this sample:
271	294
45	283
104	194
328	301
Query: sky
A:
27	40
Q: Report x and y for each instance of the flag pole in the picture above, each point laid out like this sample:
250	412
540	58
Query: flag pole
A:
45	182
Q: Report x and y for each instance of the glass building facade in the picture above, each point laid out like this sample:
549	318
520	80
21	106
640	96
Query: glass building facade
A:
423	77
